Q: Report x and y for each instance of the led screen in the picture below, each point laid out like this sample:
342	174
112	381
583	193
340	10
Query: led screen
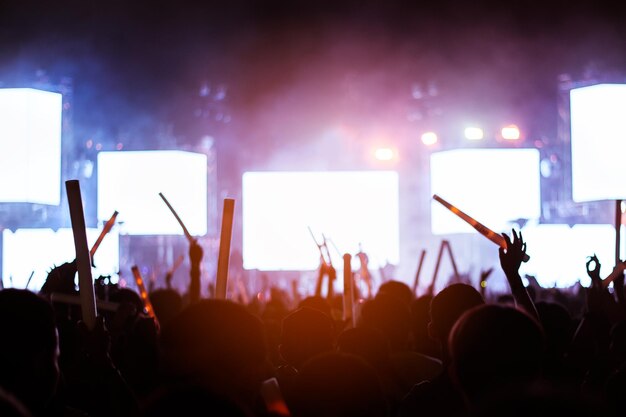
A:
495	186
30	146
598	137
36	251
130	182
349	207
559	253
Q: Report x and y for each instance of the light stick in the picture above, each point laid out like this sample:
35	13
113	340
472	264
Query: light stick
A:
106	229
224	251
479	227
347	288
185	231
142	292
83	262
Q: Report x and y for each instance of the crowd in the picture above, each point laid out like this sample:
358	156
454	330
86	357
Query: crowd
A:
531	352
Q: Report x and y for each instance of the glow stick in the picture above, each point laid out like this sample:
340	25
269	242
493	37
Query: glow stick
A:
273	398
347	288
83	262
142	291
185	231
479	227
106	229
224	253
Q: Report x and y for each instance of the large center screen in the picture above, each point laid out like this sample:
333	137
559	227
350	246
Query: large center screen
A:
348	207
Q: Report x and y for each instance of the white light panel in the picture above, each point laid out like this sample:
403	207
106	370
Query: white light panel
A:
130	182
30	146
495	186
349	207
598	138
39	250
558	253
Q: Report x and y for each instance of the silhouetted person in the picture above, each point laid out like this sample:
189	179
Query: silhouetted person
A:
29	349
337	385
495	349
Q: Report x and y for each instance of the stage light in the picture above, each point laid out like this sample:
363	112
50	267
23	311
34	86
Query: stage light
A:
429	138
384	154
510	132
474	133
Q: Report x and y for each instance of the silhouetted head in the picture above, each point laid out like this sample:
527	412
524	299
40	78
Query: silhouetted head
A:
495	347
29	348
167	303
216	343
337	385
391	317
450	304
396	289
368	344
305	333
318	303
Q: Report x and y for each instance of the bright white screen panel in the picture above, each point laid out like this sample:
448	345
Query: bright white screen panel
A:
495	186
349	207
558	253
30	146
130	182
598	137
39	250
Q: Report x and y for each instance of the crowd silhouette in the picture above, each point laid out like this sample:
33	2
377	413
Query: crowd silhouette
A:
545	352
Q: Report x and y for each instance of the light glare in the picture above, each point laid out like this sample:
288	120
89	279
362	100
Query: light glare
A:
429	138
384	154
510	132
474	133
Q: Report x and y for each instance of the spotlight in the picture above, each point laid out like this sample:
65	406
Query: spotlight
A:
429	138
384	154
474	133
510	132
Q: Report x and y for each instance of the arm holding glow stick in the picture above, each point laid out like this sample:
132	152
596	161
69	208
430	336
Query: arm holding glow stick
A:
143	293
479	227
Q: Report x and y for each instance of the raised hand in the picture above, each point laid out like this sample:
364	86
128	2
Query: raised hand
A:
510	260
513	256
594	273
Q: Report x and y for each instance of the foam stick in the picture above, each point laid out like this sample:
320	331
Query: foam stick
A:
185	231
57	297
83	262
29	279
105	230
273	398
347	288
142	291
224	251
479	227
419	271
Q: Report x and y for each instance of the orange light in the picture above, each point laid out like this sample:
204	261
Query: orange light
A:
384	154
511	132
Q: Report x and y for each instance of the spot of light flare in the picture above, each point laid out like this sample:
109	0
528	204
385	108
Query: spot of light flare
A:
429	138
384	154
510	132
474	133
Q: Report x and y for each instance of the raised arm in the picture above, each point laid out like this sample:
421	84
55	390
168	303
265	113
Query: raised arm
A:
510	259
195	258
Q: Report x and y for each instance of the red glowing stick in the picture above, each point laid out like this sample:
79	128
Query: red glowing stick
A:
105	230
224	251
142	292
479	227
